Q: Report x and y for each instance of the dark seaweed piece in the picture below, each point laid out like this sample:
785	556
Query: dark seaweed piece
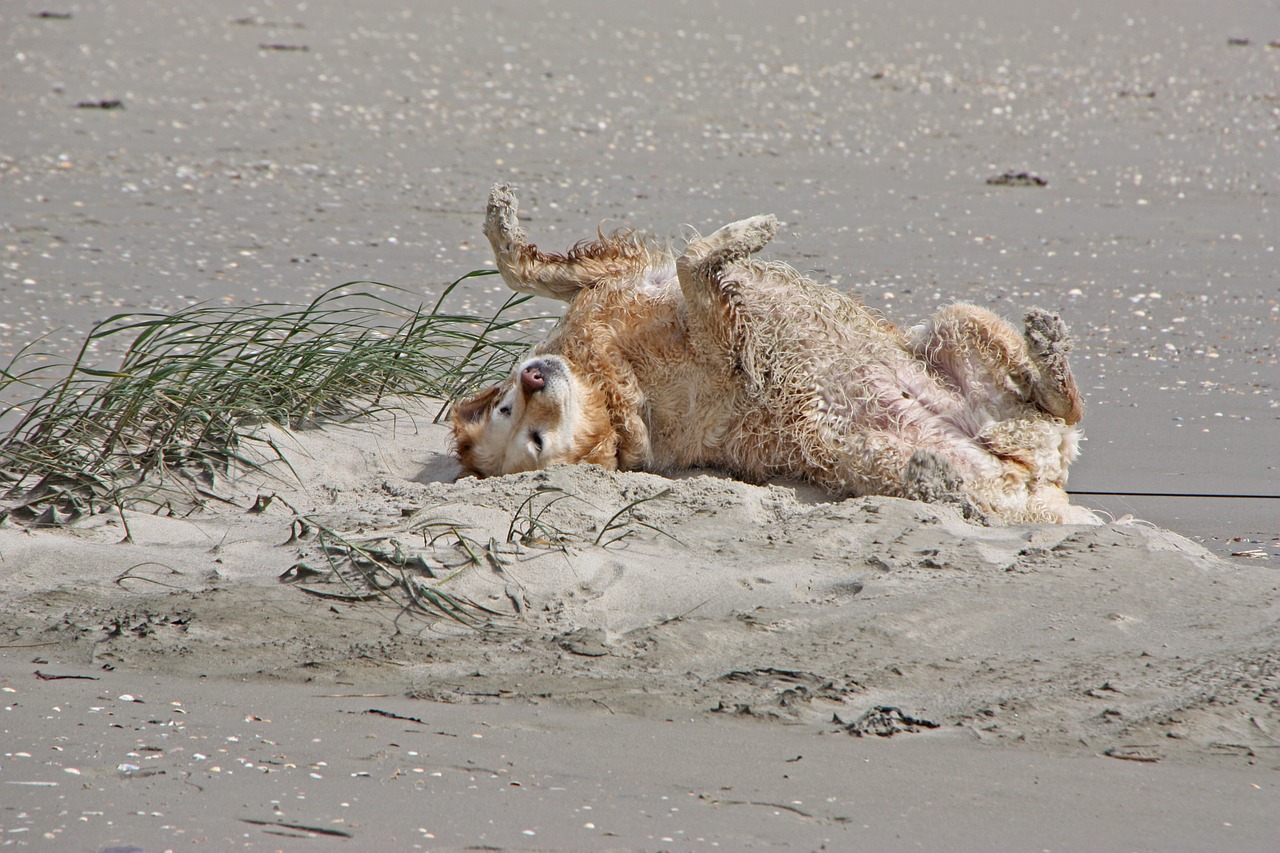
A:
1017	179
886	721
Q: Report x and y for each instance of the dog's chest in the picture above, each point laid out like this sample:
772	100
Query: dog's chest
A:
691	406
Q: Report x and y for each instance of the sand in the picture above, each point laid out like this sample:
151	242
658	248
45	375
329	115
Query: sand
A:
713	603
747	666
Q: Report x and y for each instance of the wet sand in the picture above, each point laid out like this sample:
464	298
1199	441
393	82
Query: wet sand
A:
270	152
260	766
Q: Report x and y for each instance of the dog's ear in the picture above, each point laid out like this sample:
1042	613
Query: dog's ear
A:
468	426
474	410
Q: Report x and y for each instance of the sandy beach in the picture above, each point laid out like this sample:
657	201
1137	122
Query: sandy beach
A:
721	665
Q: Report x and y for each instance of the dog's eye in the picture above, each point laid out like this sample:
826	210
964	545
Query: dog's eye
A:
536	438
504	410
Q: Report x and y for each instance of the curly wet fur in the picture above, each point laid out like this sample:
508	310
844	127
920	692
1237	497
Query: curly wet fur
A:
720	360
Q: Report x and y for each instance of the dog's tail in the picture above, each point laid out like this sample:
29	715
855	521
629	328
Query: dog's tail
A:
557	276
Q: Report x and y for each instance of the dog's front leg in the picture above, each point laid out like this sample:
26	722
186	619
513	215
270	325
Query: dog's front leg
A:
557	276
711	288
523	267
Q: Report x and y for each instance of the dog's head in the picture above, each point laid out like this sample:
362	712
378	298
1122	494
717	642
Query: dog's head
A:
542	414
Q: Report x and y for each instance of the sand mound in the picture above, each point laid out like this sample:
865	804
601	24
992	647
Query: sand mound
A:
673	597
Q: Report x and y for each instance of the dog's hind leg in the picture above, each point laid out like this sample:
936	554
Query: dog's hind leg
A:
991	364
558	276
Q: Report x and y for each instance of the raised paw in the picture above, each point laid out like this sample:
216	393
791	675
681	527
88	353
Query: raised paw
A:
746	236
734	241
1049	342
1047	335
501	223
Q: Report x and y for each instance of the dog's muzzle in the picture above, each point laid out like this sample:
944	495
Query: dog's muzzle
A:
532	378
536	373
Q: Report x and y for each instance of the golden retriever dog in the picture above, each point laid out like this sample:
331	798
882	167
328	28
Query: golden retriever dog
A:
716	359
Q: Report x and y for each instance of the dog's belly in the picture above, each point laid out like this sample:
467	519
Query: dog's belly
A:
701	413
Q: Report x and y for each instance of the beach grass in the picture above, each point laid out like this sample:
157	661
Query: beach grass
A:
158	428
178	407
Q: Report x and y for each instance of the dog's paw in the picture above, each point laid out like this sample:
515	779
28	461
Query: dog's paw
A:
709	256
932	478
1049	342
744	237
501	221
929	477
1047	335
